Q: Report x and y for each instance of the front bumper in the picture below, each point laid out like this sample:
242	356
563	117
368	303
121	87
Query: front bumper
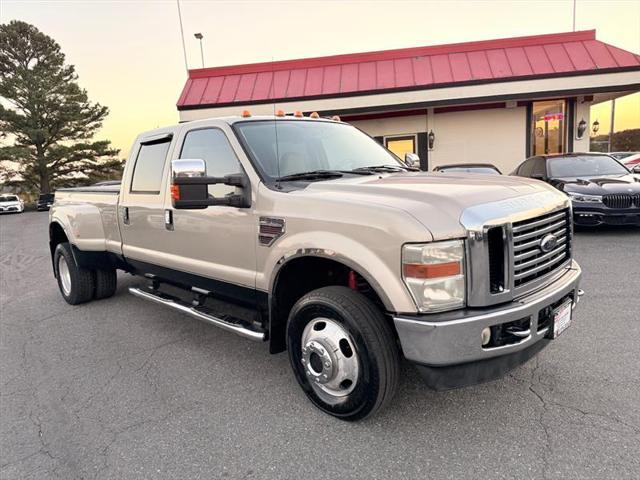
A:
594	215
12	209
454	338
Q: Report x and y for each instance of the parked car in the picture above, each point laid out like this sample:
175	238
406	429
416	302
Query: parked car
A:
485	168
622	155
308	234
45	200
10	203
632	162
602	190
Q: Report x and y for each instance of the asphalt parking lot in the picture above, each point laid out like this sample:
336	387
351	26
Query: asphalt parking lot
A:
121	388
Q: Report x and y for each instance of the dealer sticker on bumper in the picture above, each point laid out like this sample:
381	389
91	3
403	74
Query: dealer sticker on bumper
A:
561	318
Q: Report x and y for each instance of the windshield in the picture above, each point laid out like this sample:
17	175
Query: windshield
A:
9	198
307	146
489	170
585	166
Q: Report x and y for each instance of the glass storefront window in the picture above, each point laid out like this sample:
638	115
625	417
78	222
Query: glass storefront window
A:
401	145
549	127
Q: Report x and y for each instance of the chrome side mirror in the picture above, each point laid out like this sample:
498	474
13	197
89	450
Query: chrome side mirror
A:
412	160
189	186
187	167
636	169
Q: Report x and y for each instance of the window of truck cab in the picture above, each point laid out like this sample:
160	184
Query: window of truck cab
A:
288	146
148	168
212	145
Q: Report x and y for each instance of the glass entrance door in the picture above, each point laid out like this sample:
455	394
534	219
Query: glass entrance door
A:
549	127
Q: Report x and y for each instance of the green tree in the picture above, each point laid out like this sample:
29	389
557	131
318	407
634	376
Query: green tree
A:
45	117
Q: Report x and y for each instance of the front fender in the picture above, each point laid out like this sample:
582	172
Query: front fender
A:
383	274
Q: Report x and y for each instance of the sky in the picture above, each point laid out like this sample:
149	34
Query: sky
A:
129	56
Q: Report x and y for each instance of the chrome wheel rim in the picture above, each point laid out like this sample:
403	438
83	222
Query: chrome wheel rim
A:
329	359
65	275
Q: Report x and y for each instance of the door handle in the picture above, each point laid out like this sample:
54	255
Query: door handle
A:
168	219
125	215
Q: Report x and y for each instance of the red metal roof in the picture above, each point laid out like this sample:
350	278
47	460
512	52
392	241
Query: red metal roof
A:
573	53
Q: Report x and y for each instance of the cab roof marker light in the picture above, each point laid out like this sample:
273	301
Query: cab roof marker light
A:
246	114
335	118
314	115
280	113
298	114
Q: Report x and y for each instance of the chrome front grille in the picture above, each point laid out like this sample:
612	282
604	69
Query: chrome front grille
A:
621	200
531	260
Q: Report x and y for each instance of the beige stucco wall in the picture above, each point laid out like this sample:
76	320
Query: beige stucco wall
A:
496	136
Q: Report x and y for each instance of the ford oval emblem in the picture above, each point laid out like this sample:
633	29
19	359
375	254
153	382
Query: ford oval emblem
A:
548	243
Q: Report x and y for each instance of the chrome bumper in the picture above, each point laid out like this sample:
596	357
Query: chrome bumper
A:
455	337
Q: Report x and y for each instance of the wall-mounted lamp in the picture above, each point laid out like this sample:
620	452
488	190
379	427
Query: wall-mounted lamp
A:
582	127
596	126
431	138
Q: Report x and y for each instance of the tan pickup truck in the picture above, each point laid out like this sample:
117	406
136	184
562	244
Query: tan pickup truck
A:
308	234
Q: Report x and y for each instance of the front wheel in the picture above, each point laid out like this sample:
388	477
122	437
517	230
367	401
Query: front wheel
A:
343	352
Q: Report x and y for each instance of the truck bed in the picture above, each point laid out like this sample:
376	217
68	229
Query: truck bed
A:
92	213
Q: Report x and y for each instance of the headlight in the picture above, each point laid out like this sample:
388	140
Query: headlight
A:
434	274
579	197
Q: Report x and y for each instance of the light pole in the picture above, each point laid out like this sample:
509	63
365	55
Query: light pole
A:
199	36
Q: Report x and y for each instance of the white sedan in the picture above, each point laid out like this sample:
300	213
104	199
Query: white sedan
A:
11	203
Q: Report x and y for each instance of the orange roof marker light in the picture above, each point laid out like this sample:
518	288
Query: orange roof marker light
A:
246	114
298	114
280	113
335	118
314	115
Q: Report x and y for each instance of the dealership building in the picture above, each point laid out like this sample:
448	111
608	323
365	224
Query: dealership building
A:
496	101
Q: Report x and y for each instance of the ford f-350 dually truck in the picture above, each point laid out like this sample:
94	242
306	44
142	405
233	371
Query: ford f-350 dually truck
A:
309	235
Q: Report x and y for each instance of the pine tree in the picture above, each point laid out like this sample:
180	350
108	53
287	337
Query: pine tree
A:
46	120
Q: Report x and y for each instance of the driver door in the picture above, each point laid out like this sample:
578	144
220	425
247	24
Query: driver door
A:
217	243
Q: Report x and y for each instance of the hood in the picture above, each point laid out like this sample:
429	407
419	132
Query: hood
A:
437	201
599	185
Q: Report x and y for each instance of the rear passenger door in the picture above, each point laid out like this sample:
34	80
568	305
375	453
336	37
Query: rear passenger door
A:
140	210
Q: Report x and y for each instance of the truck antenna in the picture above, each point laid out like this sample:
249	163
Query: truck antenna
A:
275	123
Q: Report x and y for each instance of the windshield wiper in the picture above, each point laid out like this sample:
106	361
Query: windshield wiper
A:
383	168
311	175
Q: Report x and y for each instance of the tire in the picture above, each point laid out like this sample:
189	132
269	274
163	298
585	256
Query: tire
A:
336	383
106	283
76	284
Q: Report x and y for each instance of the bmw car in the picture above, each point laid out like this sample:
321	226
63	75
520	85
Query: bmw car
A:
602	190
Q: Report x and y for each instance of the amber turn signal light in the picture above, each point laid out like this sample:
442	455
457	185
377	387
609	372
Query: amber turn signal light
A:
175	192
438	270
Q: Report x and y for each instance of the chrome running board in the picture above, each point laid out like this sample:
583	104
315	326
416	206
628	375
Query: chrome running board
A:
236	326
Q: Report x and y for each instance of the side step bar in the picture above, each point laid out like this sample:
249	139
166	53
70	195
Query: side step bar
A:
176	304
